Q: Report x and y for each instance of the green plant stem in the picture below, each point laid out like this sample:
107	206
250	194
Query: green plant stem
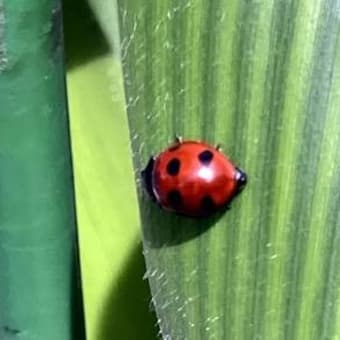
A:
38	287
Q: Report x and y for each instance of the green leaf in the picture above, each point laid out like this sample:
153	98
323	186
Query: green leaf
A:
112	265
262	78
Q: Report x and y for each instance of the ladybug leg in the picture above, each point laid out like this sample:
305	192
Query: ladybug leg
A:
218	147
146	175
178	139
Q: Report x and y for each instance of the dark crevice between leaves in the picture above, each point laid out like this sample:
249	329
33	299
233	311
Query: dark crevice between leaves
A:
84	40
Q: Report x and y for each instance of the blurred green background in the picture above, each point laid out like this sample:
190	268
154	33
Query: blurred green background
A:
116	298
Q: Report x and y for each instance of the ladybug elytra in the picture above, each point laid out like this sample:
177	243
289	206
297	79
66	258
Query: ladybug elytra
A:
193	178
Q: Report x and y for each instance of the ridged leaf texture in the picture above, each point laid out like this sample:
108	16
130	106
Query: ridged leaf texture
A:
263	79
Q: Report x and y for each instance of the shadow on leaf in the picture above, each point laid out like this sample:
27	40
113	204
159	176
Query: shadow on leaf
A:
127	314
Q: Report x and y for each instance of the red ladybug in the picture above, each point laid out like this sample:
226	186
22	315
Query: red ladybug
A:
193	178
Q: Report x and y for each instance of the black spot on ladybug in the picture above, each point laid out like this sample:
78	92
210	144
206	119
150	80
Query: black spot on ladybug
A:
175	198
175	147
207	205
173	167
205	157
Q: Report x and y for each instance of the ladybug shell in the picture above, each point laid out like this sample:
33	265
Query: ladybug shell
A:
193	179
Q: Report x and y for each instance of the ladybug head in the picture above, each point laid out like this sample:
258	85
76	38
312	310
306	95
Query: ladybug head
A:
241	178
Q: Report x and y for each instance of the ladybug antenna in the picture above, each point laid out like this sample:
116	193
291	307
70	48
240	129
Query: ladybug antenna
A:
218	147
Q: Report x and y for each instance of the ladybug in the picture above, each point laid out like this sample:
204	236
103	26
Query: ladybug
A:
193	178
